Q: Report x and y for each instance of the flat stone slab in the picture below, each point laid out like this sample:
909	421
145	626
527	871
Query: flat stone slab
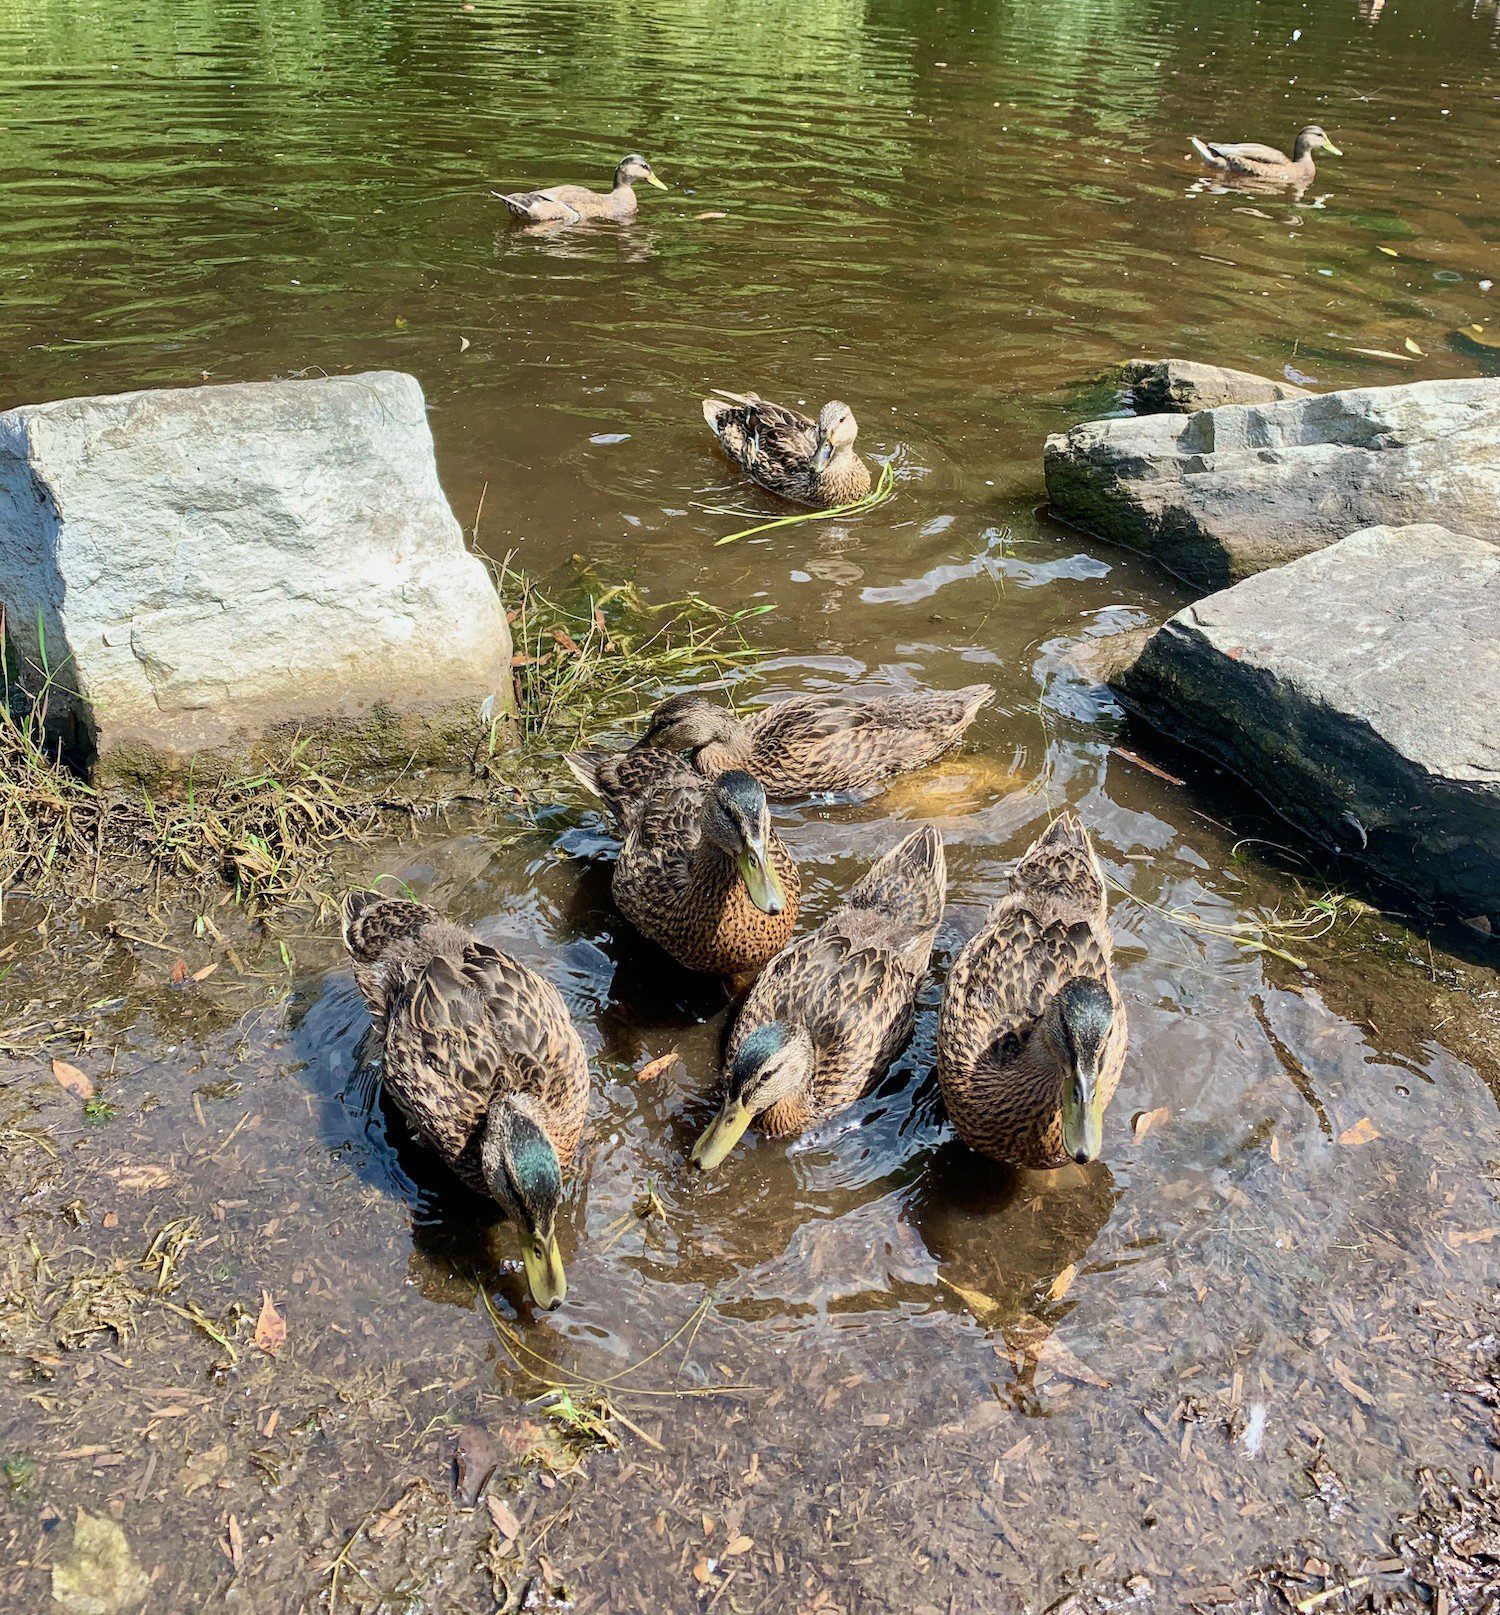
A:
200	568
1180	386
1356	691
1224	493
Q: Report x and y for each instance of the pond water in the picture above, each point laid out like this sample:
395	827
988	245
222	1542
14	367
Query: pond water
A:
955	1390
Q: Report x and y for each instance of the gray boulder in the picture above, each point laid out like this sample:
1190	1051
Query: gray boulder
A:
1227	492
1356	690
201	568
1180	386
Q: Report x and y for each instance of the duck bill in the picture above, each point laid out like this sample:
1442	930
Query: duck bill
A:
1083	1119
765	889
721	1135
823	456
1331	149
544	1270
651	179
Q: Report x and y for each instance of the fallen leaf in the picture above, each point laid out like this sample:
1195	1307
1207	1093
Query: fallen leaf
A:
236	1544
1411	347
711	214
1350	1384
73	1079
205	972
1276	1148
1383	353
702	1571
567	641
1390	252
1060	1286
1051	1353
1361	1133
270	1327
477	1456
980	1304
179	971
204	1469
98	1573
738	1545
654	1068
464	344
504	1517
140	1177
1149	1119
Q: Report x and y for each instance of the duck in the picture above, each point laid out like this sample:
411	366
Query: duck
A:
1266	162
480	1055
831	1011
574	204
816	744
700	871
809	462
1032	1031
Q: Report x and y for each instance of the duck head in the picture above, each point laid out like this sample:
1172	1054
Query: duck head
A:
523	1173
1314	138
837	430
737	820
635	168
1076	1027
774	1063
689	723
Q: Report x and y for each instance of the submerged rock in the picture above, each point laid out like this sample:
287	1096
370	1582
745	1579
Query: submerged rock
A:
1224	493
1355	689
199	569
1180	386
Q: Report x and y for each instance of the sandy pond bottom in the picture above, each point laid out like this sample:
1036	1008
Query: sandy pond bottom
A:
884	1377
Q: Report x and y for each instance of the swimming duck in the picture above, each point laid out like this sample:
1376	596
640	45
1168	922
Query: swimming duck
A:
811	462
830	1012
811	744
573	204
1032	1034
700	870
1266	162
481	1058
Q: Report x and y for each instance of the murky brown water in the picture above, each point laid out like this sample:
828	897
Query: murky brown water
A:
960	1391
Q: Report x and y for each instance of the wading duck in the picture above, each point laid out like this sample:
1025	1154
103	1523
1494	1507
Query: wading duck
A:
811	462
700	870
482	1059
573	204
1031	1036
830	1013
1265	162
812	744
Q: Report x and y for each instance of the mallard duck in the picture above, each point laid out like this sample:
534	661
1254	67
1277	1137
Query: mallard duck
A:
573	204
482	1059
700	870
830	1012
1031	1036
1265	162
811	744
811	462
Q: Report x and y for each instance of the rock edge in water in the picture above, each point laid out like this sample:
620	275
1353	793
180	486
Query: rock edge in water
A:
1354	690
1181	386
205	570
1222	494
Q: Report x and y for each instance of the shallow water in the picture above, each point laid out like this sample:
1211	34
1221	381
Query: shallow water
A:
959	1390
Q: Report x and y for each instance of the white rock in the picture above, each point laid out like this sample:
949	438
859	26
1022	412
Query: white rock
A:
213	564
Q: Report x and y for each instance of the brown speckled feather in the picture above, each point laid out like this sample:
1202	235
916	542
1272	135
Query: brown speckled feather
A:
678	889
460	1023
624	780
853	982
1000	1087
776	445
816	743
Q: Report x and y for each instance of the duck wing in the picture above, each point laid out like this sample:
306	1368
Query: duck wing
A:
560	204
655	867
1242	154
623	780
773	443
812	743
897	904
475	1022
